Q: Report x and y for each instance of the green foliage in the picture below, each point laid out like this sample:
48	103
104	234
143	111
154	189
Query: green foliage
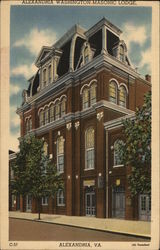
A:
137	148
34	173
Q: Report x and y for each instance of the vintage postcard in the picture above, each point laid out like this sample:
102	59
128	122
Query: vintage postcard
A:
79	124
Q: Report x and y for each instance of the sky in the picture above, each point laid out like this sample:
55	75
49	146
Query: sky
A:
32	27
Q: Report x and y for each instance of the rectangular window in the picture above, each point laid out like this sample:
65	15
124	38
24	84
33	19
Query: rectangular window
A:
45	201
60	198
93	95
49	74
57	112
85	99
60	163
44	78
90	159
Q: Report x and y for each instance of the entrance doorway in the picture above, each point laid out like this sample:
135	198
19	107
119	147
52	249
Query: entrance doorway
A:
90	203
145	207
118	202
28	203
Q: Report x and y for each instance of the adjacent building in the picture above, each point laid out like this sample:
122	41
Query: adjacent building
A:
85	84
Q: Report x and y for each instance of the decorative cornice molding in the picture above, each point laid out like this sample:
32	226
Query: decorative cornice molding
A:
77	125
68	126
99	116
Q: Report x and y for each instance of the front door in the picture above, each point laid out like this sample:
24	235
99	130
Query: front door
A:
90	203
118	202
145	207
28	203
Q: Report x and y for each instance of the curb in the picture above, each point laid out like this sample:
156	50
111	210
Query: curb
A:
83	227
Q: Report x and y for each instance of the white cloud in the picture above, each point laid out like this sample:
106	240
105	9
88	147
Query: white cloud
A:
14	89
13	141
34	40
24	70
146	59
133	33
14	118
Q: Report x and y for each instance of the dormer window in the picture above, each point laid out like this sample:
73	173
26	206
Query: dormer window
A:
44	78
49	74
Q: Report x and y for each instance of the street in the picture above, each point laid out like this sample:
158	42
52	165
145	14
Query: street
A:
25	230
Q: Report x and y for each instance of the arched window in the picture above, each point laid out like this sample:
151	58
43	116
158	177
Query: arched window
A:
118	152
63	107
57	111
85	98
93	94
121	53
86	55
113	92
60	198
122	96
41	118
60	155
51	113
49	74
89	149
46	115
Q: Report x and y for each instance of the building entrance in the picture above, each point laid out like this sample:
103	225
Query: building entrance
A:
28	203
90	200
118	202
145	207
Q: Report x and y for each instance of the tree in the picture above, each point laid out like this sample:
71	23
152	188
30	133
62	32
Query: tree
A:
34	172
137	148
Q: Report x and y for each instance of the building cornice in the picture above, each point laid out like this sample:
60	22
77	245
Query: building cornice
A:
116	123
101	61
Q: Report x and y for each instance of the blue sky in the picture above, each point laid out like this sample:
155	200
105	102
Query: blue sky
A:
31	27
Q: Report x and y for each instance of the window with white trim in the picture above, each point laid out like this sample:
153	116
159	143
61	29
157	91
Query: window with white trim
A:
60	155
63	107
44	78
122	96
113	92
49	74
89	149
85	98
41	118
60	198
57	111
118	152
44	201
46	115
93	94
51	113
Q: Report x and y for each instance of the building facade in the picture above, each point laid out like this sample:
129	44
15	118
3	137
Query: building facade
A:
85	84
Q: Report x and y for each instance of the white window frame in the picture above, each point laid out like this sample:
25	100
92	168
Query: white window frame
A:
83	95
89	149
125	92
60	198
60	155
49	73
45	201
116	87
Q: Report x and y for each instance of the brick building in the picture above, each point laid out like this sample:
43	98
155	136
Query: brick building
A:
84	85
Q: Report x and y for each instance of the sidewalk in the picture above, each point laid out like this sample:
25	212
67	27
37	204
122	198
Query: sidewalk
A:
137	228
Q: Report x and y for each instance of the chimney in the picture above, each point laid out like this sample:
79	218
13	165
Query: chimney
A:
148	78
